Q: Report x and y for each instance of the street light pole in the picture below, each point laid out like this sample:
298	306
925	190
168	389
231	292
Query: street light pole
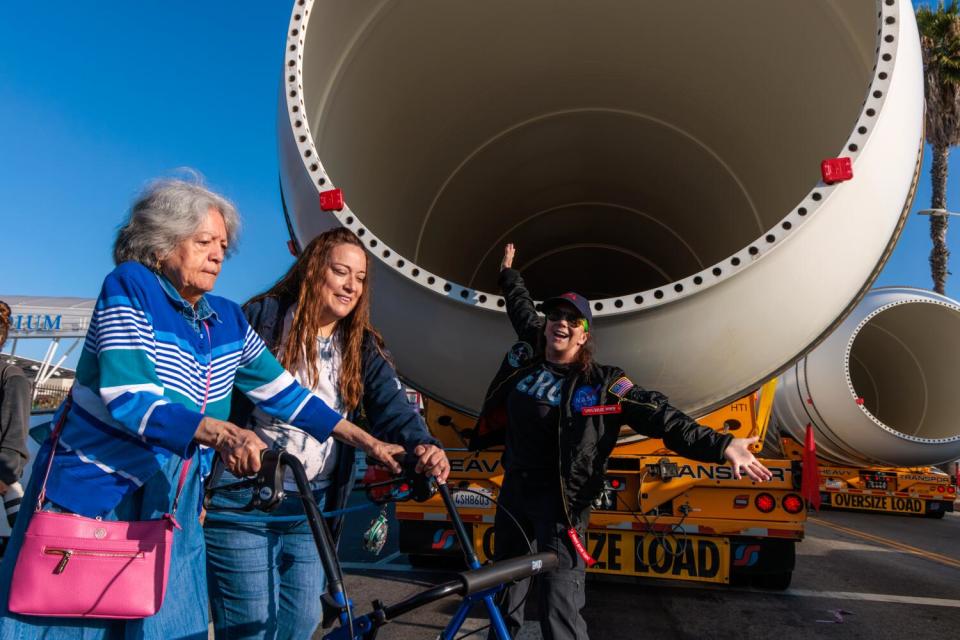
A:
937	212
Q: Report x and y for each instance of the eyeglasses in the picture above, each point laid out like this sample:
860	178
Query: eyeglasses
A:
572	318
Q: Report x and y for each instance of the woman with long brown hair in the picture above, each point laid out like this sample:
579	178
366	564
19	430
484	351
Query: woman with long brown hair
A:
265	577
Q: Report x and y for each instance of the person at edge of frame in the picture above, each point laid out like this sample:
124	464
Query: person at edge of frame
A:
265	578
559	414
14	423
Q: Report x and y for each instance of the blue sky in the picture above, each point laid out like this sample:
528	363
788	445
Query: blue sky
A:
96	98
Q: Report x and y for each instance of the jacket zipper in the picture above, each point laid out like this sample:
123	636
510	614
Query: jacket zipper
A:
563	490
66	554
652	405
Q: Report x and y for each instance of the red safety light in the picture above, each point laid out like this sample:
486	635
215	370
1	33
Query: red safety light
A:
404	488
836	170
951	489
376	474
941	488
331	200
615	484
765	503
792	503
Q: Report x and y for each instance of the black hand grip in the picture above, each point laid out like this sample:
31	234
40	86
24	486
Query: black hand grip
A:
418	486
507	570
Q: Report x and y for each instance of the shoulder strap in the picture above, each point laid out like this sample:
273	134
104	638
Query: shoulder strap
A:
206	394
55	437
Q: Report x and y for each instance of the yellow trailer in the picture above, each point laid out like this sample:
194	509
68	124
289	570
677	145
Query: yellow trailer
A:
659	515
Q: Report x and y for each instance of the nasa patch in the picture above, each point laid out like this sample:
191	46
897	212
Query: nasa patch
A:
519	354
585	396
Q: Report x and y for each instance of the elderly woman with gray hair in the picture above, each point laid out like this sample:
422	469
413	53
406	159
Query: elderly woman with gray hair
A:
149	406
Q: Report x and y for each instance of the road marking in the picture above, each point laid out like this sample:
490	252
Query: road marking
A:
399	568
929	555
873	597
390	558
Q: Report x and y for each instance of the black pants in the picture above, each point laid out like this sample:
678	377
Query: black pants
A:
534	500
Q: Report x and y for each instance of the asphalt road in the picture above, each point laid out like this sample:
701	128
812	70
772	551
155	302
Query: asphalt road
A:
858	575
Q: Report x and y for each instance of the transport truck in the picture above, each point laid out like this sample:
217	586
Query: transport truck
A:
659	515
921	491
724	182
880	395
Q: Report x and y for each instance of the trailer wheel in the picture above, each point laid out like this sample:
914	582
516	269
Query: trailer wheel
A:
773	581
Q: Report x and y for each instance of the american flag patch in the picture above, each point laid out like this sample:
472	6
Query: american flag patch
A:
620	386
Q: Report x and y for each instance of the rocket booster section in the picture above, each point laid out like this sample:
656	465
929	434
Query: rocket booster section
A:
882	389
662	158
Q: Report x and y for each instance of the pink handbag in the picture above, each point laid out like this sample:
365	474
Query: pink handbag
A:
77	567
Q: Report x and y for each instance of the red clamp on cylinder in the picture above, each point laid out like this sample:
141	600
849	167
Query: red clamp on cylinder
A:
836	170
579	548
331	200
860	401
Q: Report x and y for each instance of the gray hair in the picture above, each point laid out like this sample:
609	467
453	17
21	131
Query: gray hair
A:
166	213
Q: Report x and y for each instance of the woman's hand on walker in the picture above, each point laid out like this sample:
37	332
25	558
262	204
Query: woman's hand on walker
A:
432	461
383	452
239	448
386	454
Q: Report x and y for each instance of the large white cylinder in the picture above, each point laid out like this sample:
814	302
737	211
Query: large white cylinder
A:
662	158
882	389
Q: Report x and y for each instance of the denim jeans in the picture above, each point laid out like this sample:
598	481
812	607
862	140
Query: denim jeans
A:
264	575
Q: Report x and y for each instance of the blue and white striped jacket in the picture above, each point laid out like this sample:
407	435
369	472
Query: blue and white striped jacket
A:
141	381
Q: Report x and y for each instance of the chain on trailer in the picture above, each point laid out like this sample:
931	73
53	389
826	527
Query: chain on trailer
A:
677	531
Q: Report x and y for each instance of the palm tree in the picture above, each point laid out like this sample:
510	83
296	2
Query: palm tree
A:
940	42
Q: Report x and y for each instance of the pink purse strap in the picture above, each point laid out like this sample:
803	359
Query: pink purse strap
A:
185	467
203	407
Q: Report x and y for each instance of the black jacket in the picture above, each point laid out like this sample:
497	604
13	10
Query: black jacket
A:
384	406
587	437
14	422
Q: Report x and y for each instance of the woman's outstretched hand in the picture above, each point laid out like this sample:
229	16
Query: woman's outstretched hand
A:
508	252
743	461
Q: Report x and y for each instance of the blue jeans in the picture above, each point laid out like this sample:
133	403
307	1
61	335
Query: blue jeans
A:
264	575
